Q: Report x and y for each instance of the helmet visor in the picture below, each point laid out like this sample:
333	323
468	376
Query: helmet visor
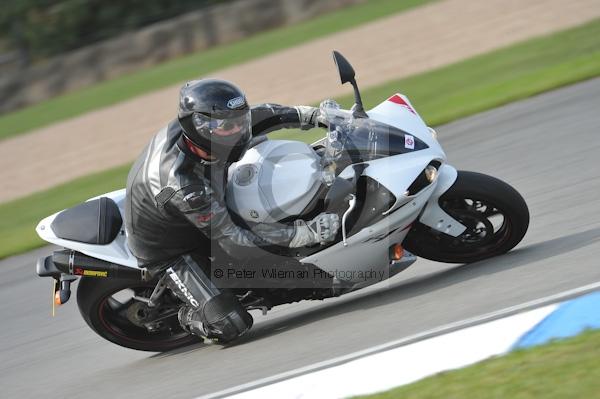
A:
228	131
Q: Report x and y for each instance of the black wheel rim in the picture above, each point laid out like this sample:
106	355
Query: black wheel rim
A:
488	226
128	318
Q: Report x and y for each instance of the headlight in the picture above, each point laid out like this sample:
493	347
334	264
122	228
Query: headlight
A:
433	132
425	178
430	173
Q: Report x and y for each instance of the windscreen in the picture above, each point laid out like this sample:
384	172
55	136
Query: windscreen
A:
354	140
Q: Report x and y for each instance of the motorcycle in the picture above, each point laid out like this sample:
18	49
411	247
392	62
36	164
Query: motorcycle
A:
382	171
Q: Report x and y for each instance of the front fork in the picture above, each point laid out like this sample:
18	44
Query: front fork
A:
433	215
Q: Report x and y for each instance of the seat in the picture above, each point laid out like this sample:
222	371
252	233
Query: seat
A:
93	222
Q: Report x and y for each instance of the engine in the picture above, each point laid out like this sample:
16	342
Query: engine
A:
274	180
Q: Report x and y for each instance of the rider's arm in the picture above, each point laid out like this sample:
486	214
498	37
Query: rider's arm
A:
269	117
204	208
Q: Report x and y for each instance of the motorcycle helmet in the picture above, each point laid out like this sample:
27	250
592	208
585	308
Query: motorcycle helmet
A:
215	116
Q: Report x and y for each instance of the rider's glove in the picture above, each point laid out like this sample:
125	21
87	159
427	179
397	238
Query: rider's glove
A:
309	116
321	229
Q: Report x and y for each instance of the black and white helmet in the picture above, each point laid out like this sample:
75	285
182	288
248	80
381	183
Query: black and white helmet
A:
215	116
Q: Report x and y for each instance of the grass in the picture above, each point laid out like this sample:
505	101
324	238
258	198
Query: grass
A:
442	95
495	78
194	65
561	369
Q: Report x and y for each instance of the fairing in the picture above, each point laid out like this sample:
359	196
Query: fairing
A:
369	246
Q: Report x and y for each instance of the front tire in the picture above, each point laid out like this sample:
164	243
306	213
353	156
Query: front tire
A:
108	307
495	214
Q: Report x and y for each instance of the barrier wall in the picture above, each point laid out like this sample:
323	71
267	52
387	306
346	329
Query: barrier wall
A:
219	24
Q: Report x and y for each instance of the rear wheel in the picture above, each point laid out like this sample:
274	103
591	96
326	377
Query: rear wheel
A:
495	214
108	306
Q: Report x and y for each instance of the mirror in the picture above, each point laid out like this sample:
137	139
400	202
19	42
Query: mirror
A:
344	68
347	75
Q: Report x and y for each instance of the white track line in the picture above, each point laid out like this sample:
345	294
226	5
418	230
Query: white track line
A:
408	363
561	296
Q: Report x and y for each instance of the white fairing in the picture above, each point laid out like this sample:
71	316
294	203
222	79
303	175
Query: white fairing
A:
434	216
274	180
405	117
399	112
117	251
367	250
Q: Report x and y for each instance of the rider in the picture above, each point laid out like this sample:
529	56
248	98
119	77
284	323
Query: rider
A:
176	200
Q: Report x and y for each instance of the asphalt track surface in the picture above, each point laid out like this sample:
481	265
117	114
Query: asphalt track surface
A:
547	147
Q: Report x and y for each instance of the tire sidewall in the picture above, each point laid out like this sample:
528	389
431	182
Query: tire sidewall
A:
91	294
487	188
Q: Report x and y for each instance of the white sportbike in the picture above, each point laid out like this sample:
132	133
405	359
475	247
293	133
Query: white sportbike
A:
382	171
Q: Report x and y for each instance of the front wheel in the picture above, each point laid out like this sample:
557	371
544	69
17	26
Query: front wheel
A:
112	308
495	214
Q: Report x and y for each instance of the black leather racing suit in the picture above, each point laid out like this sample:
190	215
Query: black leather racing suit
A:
176	204
176	200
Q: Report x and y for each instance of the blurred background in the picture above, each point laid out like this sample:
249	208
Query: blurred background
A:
84	84
50	47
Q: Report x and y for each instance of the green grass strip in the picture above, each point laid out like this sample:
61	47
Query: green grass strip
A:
440	96
493	79
195	65
561	369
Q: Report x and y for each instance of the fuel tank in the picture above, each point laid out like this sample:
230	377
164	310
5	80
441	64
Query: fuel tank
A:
274	180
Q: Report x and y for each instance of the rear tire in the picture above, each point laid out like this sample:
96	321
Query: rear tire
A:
101	309
477	201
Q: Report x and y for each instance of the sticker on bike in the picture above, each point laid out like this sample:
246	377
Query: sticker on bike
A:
409	142
397	99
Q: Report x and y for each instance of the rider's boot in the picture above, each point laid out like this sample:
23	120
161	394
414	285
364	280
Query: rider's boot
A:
209	312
